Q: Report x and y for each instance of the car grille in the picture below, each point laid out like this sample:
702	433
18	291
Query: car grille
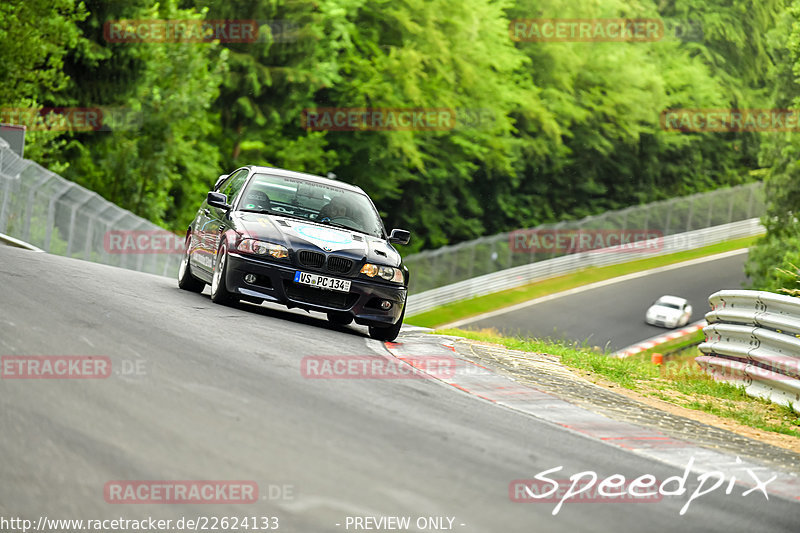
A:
339	264
311	295
311	259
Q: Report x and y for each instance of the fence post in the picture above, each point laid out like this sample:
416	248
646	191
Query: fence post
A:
26	232
691	212
72	217
51	214
750	203
6	196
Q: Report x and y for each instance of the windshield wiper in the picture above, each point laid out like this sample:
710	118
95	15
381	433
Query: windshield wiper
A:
273	212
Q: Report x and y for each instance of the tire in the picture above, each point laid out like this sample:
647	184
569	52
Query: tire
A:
219	292
390	333
341	319
186	280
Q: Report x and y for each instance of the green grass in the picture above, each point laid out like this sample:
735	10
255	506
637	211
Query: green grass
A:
680	381
482	304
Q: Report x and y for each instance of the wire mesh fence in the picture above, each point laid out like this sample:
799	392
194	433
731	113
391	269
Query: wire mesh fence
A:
63	218
451	264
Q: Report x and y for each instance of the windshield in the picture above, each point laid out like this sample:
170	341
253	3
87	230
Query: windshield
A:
317	202
671	305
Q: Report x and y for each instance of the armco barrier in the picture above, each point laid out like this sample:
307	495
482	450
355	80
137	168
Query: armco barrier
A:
521	275
753	339
486	255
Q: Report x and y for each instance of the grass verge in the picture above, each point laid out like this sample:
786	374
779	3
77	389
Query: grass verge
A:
674	345
680	382
482	304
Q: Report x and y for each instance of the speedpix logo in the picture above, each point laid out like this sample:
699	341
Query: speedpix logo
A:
587	487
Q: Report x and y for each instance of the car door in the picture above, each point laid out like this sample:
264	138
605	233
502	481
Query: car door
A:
206	228
218	220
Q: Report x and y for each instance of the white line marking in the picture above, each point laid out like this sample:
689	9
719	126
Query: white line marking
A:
18	243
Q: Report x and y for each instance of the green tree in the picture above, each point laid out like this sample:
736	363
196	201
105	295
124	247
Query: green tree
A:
157	158
777	254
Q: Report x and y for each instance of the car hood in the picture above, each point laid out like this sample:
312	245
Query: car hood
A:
305	235
668	312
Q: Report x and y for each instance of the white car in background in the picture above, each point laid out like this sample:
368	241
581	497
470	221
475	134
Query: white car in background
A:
669	312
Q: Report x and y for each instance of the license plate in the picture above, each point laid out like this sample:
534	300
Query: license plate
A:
323	282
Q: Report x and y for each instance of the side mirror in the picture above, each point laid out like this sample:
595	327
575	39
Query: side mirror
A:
220	179
399	236
217	199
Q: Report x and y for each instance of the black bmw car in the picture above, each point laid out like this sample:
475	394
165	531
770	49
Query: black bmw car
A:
267	234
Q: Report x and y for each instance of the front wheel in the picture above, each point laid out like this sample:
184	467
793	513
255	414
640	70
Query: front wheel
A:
186	280
219	291
389	333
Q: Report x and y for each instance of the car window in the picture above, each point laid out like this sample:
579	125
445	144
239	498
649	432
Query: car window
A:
227	180
317	202
232	187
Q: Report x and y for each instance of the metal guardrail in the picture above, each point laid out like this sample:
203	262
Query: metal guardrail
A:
61	217
753	339
522	275
450	264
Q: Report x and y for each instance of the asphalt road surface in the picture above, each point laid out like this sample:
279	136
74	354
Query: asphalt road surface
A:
203	392
612	316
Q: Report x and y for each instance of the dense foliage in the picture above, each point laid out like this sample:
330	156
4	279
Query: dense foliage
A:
546	131
774	261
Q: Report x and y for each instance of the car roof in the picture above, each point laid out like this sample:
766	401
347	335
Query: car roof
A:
308	177
672	299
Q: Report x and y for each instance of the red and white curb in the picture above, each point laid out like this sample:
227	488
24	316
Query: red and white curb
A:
660	339
477	380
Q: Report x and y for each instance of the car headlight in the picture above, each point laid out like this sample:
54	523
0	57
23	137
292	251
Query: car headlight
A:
383	272
252	246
